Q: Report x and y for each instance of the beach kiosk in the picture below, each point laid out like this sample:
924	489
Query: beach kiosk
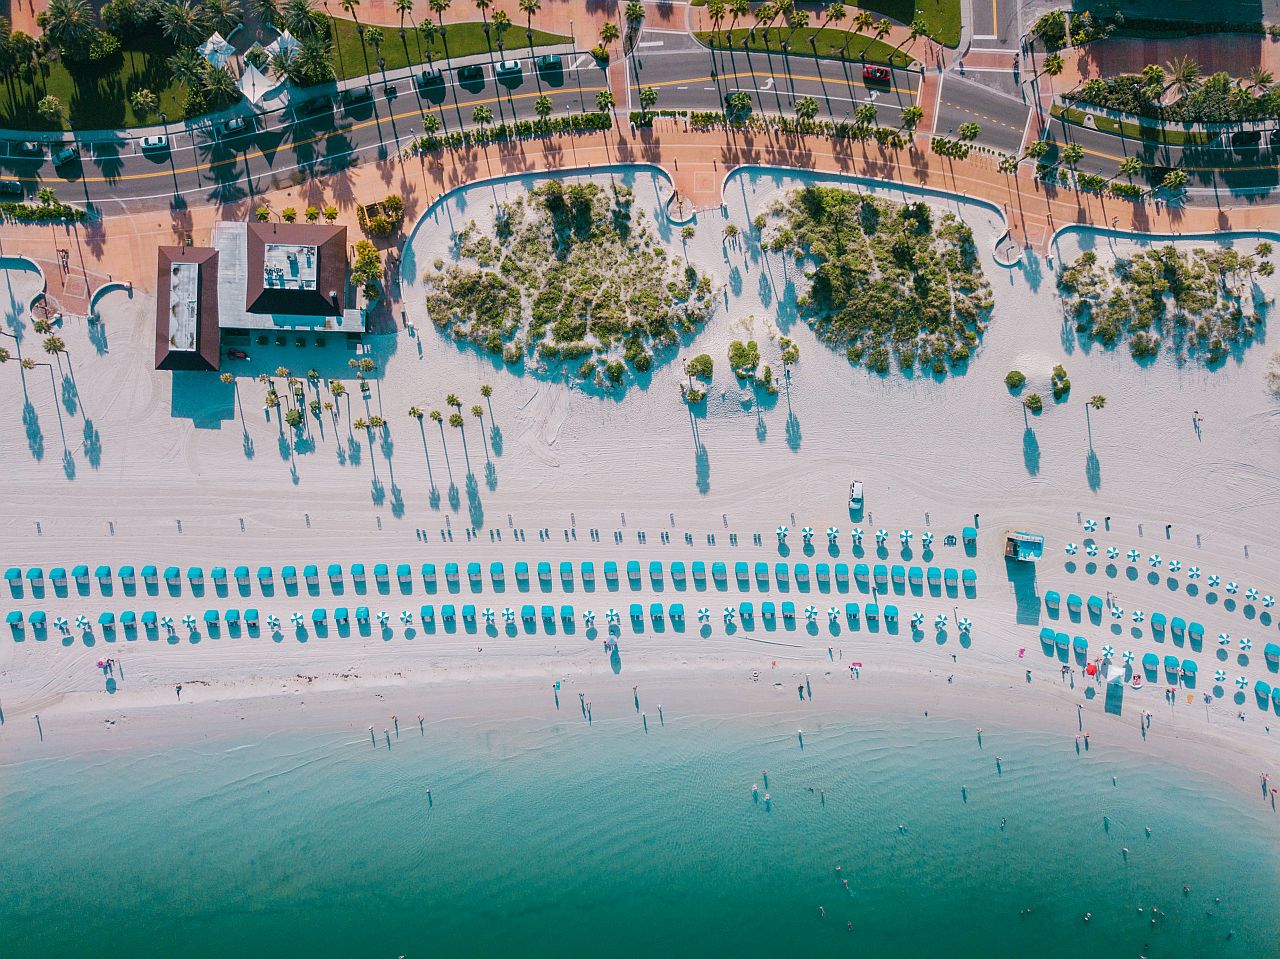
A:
1023	547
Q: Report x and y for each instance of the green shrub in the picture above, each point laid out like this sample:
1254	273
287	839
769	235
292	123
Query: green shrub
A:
1015	380
744	358
700	366
1034	402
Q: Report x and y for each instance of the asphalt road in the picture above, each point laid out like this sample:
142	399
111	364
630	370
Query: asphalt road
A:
985	99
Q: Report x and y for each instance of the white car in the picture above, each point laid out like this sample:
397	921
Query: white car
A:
855	494
157	142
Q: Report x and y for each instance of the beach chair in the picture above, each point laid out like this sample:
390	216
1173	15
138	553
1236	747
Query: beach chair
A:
195	575
1073	603
1195	634
128	620
527	614
357	573
898	575
381	574
802	575
861	573
310	574
970	579
1052	600
1271	653
788	612
1189	671
842	576
566	574
589	573
677	612
782	575
566	617
14	619
718	572
1081	646
1262	692
1047	637
241	575
451	573
108	620
544	575
497	574
290	575
1150	663
611	574
1062	640
742	573
1158	623
404	575
951	578
699	574
172	575
1178	626
872	612
1095	607
522	573
746	613
637	613
219	575
35	575
656	614
362	614
1173	668
881	575
934	578
427	614
851	613
319	615
767	612
633	573
448	614
890	614
548	615
341	617
655	573
678	574
13	576
473	575
822	573
80	574
103	575
468	613
58	576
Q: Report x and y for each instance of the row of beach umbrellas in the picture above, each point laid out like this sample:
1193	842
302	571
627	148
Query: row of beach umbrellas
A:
1174	566
833	534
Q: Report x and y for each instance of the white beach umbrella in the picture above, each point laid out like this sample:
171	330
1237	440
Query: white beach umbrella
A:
940	621
1108	651
1193	572
811	613
1113	552
60	623
509	614
1246	644
1134	555
1090	525
1127	656
589	617
1139	615
1175	565
856	533
882	535
383	617
1091	549
1268	601
1233	587
965	624
833	614
1116	612
1242	682
704	614
406	617
833	534
273	621
1071	549
782	533
488	615
926	539
1213	579
905	536
728	614
297	619
82	621
1154	560
917	618
189	621
807	533
1224	639
1220	676
1251	594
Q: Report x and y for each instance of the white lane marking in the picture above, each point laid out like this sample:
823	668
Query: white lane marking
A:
768	84
985	36
581	61
650	43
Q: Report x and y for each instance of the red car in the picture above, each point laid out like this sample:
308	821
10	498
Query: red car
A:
237	354
875	74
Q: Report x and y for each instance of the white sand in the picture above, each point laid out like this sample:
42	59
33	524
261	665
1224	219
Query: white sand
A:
931	455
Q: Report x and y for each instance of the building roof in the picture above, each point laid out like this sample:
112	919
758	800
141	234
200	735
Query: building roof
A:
187	333
296	269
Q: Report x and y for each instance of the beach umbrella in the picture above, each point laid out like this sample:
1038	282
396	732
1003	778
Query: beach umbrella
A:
856	533
189	621
811	613
905	536
1243	682
1113	552
882	535
589	617
833	534
704	614
1090	525
1268	601
273	621
807	533
1220	676
916	619
1175	565
166	622
297	619
1071	549
488	615
1193	572
1251	594
940	621
1224	639
82	621
728	614
1127	656
1154	560
383	617
1108	651
509	614
926	538
406	617
965	624
1233	587
833	614
1134	555
1213	579
782	533
1139	615
1246	644
1091	549
1116	612
60	623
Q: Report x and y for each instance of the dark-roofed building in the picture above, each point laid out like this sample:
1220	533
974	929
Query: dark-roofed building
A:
298	269
187	332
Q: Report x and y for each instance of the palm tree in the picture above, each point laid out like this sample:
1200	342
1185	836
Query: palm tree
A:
1072	154
349	8
604	101
220	87
1184	73
481	115
608	33
648	98
477	411
416	412
715	10
1260	78
865	114
487	392
1130	167
542	106
403	7
452	400
806	108
739	8
501	24
455	420
223	15
799	20
183	23
67	24
187	68
911	117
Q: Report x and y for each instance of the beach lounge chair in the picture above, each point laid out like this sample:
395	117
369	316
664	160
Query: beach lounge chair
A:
718	572
699	574
782	575
1095	605
1173	668
566	616
310	574
1063	640
766	612
842	575
1189	671
195	575
611	573
1073	603
380	573
1178	626
1047	637
890	614
319	615
969	577
762	575
451	572
633	573
362	614
1195	634
741	572
1158	622
108	620
14	619
566	574
427	613
899	575
36	575
861	572
219	575
357	572
1262	690
637	613
468	613
1081	645
81	574
801	574
448	614
881	575
230	616
172	574
341	616
1150	663
788	612
497	574
242	575
544	575
655	573
934	577
250	618
528	614
1271	652
951	576
872	612
58	576
746	612
14	577
677	613
334	572
289	574
548	615
851	613
211	617
404	574
655	614
1052	600
589	572
102	574
678	574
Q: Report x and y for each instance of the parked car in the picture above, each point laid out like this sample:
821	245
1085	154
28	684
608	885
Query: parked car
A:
509	70
354	96
66	155
234	125
27	148
471	73
430	78
237	354
855	494
156	142
872	74
549	61
11	188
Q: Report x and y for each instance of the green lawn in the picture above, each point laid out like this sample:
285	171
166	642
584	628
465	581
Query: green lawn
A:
942	16
1134	131
356	57
838	44
96	100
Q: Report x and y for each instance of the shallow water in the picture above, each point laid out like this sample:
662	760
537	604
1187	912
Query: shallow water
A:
552	838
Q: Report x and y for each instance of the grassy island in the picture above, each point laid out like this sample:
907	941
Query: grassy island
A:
889	281
569	274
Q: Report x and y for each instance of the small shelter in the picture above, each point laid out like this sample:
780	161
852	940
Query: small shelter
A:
216	50
1024	547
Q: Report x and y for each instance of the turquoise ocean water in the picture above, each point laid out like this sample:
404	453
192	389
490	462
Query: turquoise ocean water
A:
552	839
